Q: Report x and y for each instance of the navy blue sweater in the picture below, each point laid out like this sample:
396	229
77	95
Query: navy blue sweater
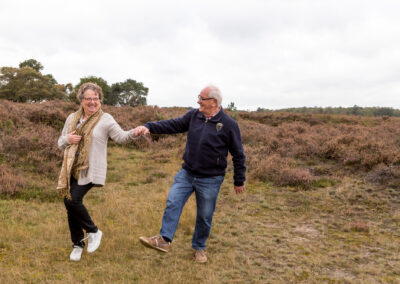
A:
208	143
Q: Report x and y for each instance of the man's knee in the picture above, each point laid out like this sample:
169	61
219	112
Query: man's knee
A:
173	203
206	210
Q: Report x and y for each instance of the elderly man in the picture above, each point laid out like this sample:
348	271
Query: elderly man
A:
211	134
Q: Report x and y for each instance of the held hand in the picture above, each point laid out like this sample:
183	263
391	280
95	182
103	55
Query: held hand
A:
239	189
73	138
141	130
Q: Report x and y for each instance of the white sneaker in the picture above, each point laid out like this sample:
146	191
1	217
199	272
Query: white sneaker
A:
76	253
94	240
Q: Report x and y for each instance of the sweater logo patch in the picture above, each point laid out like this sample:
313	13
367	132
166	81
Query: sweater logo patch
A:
219	126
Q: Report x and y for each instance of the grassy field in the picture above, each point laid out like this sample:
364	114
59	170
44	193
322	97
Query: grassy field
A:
344	233
322	203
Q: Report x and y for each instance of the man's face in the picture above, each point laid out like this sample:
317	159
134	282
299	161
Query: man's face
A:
90	102
207	105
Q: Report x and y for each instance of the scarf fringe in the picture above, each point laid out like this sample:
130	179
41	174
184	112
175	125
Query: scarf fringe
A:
64	193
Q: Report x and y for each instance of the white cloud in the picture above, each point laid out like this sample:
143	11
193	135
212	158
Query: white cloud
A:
269	54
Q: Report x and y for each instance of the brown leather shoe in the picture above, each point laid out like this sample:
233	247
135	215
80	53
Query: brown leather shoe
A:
200	256
156	242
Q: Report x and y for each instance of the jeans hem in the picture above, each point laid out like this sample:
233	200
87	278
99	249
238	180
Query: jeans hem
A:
197	248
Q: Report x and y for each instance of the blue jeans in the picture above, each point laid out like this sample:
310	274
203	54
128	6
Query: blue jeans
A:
206	190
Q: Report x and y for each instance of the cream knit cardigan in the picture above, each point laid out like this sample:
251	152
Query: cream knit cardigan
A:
105	128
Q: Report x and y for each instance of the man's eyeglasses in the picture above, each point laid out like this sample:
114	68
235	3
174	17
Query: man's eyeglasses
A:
91	99
204	99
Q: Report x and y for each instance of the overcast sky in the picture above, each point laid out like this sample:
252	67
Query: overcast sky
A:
260	53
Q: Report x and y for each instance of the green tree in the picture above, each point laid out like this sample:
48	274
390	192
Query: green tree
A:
68	90
27	85
51	78
115	91
381	111
32	63
355	110
99	81
231	107
130	93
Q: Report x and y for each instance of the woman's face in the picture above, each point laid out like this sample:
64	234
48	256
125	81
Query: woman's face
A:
90	102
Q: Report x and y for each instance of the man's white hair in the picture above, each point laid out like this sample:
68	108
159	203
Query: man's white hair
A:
215	93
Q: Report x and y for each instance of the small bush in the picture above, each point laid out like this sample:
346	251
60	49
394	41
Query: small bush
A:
10	181
383	174
295	177
281	172
51	117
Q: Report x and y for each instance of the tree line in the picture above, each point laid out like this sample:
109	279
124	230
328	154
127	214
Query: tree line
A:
354	110
27	84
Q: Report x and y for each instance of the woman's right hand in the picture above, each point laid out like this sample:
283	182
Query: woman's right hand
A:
73	138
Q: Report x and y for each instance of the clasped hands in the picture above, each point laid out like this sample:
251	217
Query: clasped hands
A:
141	130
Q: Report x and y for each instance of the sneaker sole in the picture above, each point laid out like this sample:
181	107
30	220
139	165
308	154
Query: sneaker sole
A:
146	244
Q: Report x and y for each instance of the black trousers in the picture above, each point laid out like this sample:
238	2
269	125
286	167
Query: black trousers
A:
78	216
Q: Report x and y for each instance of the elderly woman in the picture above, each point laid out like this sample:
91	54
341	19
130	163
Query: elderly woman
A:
84	141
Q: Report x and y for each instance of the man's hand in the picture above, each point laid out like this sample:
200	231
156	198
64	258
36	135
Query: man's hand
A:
239	189
73	138
141	130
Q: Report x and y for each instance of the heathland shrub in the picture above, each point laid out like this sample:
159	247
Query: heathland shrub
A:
384	175
283	148
48	116
10	181
280	171
266	169
29	134
295	177
277	118
356	146
129	117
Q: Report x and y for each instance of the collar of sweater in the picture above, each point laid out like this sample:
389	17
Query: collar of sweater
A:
216	117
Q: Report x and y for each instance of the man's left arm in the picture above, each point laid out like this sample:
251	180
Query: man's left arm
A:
238	158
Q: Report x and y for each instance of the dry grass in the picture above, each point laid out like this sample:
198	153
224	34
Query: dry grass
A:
348	233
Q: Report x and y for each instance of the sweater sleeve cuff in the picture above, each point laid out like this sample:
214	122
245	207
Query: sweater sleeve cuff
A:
65	141
147	125
238	183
